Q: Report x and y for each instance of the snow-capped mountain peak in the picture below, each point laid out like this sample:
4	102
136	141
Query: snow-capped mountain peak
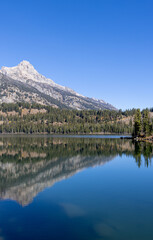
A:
25	63
24	83
24	71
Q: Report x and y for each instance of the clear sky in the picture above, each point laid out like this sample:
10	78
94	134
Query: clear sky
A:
99	48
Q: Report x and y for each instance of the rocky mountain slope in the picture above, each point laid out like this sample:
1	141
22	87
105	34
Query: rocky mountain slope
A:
24	84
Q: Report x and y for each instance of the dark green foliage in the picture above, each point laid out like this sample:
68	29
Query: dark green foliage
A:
146	123
137	123
64	121
143	124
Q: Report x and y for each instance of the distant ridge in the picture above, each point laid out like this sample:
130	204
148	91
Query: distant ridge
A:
23	83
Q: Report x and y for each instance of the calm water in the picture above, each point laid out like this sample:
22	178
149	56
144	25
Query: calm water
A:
75	188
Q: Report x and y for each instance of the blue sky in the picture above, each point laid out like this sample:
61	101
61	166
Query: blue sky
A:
99	48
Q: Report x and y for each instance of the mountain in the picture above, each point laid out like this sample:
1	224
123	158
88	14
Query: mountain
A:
24	84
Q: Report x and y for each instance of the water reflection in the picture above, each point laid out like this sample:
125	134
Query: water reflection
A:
143	149
30	164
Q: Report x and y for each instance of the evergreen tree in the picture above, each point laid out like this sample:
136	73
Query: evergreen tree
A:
137	123
146	123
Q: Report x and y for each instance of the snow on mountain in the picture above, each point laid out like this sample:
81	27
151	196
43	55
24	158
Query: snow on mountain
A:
25	76
25	71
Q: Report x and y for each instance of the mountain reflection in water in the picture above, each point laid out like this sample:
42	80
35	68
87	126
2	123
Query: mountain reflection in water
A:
30	164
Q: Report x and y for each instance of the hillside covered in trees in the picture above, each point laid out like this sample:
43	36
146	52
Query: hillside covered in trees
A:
35	118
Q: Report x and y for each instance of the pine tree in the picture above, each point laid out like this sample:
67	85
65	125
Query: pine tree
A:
137	123
146	123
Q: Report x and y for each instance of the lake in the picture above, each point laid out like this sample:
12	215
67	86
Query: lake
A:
80	188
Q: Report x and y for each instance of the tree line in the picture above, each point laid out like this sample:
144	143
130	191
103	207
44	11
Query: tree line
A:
64	121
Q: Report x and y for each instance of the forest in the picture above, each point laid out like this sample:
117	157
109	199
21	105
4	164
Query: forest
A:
37	119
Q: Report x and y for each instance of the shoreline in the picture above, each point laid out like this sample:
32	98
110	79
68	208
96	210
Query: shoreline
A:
140	139
72	134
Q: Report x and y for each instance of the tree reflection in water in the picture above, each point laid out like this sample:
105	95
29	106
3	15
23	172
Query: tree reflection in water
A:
145	150
30	164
